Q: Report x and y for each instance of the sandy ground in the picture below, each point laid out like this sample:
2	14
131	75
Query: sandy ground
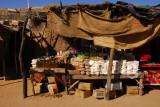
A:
11	96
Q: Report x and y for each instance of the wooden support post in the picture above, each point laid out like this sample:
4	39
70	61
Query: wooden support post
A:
23	72
109	74
6	44
15	56
32	79
4	69
66	75
141	86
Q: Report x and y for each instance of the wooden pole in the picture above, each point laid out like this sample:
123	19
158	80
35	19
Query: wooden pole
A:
141	87
6	44
32	79
4	68
22	63
109	74
28	4
15	56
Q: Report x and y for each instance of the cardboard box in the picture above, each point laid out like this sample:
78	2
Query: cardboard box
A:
38	88
38	77
85	86
52	88
51	79
74	60
83	93
100	93
132	90
74	63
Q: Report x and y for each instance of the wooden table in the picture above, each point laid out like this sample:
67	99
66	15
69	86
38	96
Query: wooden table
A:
69	77
139	79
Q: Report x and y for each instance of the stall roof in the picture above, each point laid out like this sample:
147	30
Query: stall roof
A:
119	26
7	28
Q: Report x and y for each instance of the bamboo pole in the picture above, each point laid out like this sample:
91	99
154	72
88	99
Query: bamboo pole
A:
109	74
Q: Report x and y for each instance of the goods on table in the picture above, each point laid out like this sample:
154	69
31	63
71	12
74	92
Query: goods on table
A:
34	63
123	67
101	66
48	62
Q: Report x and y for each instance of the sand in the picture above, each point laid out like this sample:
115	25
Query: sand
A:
11	96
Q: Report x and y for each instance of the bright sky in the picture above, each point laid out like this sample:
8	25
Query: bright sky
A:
23	3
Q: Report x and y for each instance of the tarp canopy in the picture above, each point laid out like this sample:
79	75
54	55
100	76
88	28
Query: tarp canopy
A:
123	32
119	26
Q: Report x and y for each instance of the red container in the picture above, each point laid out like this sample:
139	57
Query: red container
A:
152	77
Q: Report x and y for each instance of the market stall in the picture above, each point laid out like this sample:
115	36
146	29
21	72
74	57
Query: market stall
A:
91	65
127	30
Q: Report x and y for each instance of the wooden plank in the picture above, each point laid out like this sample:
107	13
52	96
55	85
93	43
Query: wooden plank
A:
113	76
55	70
59	70
73	85
74	72
109	74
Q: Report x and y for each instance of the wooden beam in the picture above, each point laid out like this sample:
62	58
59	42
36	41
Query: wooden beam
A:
109	74
95	77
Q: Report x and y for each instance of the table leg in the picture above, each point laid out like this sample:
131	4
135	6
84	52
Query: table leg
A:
64	78
141	87
32	79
